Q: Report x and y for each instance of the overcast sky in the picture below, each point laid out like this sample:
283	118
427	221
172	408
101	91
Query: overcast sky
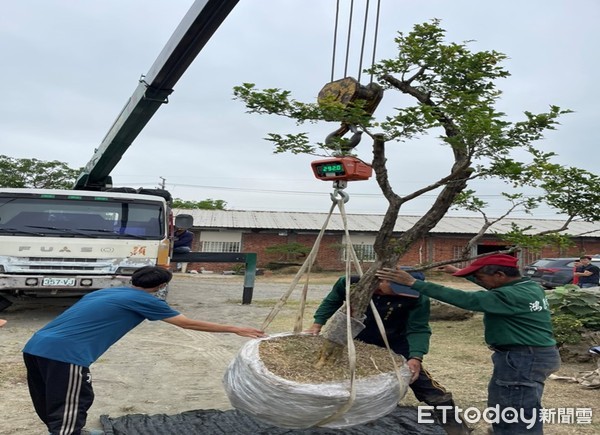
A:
68	68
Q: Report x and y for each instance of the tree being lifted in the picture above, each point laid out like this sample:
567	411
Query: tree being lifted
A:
454	89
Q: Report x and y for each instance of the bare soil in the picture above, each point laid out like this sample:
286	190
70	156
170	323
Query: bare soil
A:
294	357
158	368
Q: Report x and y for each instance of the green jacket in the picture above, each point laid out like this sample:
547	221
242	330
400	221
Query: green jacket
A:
406	320
515	314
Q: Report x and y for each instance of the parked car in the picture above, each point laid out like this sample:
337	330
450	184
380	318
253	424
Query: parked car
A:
554	272
551	272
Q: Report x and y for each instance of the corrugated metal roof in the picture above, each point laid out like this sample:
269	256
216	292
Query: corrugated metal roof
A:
304	221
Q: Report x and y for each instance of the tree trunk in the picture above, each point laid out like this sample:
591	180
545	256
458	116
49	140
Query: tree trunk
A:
389	249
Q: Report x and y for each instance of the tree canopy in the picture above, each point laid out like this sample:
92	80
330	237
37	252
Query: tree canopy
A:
36	173
39	174
207	204
452	92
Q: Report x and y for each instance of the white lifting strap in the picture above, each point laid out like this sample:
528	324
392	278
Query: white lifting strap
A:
339	198
306	266
351	257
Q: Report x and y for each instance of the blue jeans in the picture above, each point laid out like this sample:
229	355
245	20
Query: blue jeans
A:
518	383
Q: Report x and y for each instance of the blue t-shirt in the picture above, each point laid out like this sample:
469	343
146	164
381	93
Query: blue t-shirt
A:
87	329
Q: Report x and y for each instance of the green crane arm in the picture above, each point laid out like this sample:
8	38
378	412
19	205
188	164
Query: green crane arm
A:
153	89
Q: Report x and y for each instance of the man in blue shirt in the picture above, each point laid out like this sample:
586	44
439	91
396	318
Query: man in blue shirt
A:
59	355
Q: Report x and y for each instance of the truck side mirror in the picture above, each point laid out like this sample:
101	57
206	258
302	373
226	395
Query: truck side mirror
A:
184	221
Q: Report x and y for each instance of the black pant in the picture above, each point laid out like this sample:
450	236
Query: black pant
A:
427	390
61	393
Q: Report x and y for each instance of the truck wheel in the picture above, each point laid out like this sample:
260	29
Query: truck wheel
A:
4	303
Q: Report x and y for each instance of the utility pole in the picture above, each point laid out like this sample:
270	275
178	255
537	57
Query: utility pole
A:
162	183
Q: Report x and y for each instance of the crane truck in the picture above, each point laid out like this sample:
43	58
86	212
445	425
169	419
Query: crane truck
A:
71	242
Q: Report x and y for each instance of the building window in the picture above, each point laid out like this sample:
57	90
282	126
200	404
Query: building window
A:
208	246
363	251
457	252
221	241
529	257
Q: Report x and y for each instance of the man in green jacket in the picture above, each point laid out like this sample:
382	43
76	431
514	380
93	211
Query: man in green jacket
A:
406	323
518	329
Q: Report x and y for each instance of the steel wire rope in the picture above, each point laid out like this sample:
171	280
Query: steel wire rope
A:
335	30
376	32
348	38
364	37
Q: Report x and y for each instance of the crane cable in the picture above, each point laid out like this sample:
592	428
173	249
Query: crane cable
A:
351	256
348	38
349	34
375	37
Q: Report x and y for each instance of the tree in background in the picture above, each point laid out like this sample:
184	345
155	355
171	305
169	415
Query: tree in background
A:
451	92
36	173
207	204
39	174
289	253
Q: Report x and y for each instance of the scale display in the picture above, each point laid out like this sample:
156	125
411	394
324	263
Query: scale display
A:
330	169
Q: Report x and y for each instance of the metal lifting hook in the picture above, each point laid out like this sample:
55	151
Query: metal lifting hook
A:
347	92
348	144
338	189
343	196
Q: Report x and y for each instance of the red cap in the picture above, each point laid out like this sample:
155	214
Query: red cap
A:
490	260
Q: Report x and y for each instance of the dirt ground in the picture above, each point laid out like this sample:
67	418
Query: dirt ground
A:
158	368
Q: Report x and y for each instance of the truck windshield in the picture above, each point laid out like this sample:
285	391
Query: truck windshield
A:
80	216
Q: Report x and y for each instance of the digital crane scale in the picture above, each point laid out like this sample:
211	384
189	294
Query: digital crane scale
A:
342	168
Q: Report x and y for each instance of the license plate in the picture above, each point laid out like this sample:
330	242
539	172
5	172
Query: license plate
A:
530	272
65	282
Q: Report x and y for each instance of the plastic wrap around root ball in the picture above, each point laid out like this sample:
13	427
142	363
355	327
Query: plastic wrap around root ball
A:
252	388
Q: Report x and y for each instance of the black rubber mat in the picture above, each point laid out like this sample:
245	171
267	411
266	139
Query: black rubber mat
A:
232	422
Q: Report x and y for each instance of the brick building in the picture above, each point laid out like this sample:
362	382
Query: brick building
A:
255	231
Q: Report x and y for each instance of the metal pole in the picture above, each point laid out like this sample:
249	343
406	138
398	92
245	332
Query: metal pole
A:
249	278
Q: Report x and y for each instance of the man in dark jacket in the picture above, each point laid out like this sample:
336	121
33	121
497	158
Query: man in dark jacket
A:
182	242
588	275
406	323
518	329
